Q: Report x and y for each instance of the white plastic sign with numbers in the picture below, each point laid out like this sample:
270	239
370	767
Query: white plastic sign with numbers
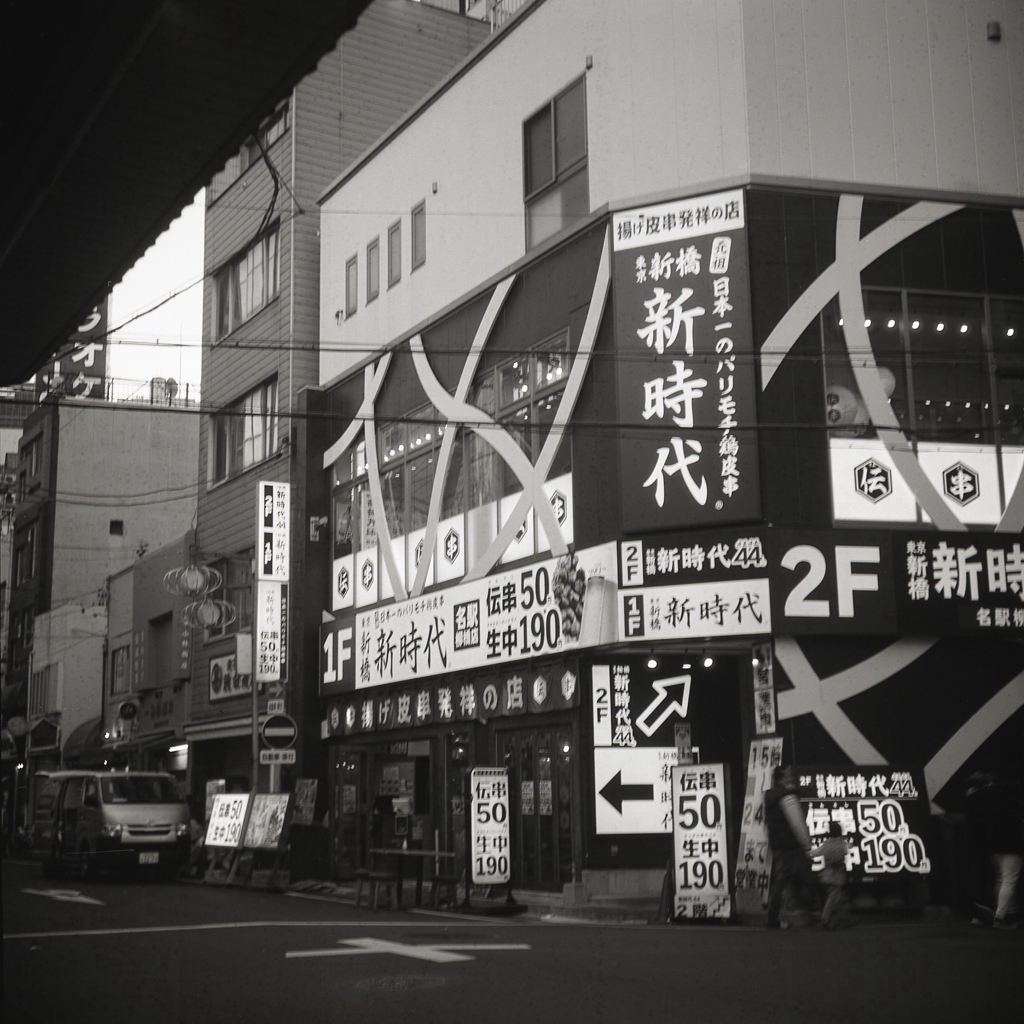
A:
700	842
489	826
227	819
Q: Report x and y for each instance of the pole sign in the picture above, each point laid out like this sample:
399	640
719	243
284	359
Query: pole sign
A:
489	826
883	813
227	819
272	530
700	842
271	631
685	378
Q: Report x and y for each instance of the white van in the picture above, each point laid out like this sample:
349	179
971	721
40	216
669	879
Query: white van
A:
89	821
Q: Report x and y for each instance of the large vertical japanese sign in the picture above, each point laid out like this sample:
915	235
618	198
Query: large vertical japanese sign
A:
700	842
685	364
80	368
273	516
754	856
489	826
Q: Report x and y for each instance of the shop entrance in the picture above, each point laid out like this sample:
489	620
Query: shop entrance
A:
539	762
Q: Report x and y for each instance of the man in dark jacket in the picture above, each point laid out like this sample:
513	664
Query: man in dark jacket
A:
994	814
790	843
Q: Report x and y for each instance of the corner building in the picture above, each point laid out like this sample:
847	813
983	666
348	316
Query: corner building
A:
687	422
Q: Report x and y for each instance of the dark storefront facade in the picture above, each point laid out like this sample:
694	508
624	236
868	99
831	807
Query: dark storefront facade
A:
708	477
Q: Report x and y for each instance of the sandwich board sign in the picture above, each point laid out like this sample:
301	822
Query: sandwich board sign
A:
489	826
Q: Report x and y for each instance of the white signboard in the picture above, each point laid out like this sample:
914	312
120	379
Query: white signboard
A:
683	611
679	219
277	756
489	828
544	608
272	529
227	819
269	630
753	855
632	790
700	842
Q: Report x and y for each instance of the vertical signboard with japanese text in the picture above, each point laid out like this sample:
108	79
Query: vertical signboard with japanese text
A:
80	368
489	826
272	530
228	817
754	856
685	367
700	842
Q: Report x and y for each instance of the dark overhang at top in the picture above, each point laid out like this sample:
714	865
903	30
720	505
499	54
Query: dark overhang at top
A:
117	113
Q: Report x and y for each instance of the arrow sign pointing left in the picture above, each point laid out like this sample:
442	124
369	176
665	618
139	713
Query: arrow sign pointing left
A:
615	792
64	895
673	695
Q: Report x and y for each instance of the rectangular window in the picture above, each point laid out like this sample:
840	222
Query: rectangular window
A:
246	284
42	691
556	186
237	591
395	253
30	553
245	433
419	235
351	286
119	670
373	270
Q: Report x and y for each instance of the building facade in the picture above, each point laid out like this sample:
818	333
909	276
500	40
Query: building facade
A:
260	336
685	429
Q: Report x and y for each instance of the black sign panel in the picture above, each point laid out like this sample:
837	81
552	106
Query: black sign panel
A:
80	368
685	368
882	811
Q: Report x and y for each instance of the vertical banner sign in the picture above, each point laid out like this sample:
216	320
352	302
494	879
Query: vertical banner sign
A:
685	370
489	828
80	368
764	690
754	856
272	527
700	842
270	624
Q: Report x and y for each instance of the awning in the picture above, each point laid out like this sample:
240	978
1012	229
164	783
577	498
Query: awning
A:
85	744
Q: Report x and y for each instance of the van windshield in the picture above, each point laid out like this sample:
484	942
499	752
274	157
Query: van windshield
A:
140	789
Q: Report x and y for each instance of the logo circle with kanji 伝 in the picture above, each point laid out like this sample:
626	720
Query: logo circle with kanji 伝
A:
960	483
873	480
343	582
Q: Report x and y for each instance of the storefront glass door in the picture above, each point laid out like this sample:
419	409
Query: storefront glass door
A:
540	778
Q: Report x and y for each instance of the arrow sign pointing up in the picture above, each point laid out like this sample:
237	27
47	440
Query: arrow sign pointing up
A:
615	792
665	703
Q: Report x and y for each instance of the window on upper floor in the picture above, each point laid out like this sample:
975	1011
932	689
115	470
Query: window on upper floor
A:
373	270
556	185
419	235
42	690
245	285
270	131
236	572
395	253
244	433
351	286
119	670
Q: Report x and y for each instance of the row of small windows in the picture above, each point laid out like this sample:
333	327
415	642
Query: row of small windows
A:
394	241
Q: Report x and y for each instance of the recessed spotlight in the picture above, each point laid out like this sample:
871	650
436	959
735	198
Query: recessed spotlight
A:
940	326
914	326
1009	332
709	661
891	323
840	321
963	328
867	323
652	662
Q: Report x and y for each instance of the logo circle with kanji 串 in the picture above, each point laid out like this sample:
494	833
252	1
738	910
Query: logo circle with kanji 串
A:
960	483
451	545
366	574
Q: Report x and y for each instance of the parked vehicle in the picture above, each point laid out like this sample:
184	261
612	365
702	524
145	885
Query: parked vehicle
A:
90	821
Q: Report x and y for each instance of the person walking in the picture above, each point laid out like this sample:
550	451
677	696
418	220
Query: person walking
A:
994	816
790	844
833	875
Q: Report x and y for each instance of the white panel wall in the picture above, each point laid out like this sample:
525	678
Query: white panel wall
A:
682	92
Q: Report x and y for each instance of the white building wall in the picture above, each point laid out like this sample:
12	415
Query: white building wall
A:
681	93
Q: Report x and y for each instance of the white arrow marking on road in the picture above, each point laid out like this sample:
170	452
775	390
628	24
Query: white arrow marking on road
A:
438	954
661	687
64	895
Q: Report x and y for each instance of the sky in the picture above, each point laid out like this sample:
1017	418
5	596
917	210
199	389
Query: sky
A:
166	342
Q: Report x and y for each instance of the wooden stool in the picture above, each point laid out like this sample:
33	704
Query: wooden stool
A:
382	878
362	875
449	884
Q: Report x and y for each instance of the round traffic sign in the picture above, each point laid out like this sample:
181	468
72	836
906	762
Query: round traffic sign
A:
279	731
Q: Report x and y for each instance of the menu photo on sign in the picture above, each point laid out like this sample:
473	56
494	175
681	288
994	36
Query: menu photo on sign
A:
489	826
266	821
700	842
882	811
227	819
685	366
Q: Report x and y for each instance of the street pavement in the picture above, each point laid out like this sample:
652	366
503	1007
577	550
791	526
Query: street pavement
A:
156	952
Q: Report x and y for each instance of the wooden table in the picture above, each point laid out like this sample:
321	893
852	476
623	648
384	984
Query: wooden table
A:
418	857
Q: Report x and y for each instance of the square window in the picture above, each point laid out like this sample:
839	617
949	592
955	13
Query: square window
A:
395	253
373	270
419	235
116	527
351	286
